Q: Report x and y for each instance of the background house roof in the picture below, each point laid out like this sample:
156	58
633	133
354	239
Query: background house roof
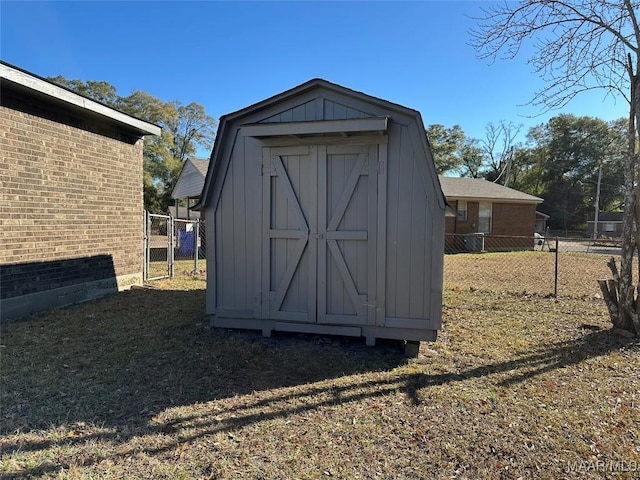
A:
479	189
201	164
609	217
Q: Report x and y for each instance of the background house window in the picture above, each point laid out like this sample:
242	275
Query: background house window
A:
484	217
462	210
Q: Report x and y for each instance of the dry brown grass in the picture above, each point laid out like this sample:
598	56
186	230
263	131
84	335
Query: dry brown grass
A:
138	386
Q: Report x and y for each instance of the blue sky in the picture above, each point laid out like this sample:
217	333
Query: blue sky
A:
228	55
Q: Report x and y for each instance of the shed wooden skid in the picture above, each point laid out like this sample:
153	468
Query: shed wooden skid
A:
328	218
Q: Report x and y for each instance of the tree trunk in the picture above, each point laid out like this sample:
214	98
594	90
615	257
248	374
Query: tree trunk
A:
620	294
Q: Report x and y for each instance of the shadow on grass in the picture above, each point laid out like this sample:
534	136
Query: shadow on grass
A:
118	362
553	356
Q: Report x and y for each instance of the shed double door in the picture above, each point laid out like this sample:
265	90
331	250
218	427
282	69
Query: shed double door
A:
319	245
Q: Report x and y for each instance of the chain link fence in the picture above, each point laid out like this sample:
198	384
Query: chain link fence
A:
528	265
173	246
541	265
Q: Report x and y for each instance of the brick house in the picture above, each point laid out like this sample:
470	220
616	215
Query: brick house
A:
71	206
481	207
609	225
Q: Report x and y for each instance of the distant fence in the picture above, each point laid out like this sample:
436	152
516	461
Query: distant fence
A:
535	265
172	245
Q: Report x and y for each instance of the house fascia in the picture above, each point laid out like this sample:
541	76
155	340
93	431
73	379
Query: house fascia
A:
40	87
494	200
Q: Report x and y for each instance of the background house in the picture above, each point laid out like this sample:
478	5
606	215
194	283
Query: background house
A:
71	207
500	213
609	224
327	217
541	222
188	188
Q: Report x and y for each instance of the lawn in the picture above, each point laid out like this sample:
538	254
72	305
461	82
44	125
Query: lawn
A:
138	386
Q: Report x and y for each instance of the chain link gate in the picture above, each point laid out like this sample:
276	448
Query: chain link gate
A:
171	243
158	232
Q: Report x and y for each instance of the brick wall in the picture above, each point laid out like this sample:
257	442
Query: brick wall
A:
507	219
513	219
67	192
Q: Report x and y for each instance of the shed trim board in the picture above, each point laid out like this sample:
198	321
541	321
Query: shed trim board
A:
373	124
298	201
333	139
369	332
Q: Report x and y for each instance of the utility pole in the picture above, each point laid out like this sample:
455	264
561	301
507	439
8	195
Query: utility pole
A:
509	161
595	219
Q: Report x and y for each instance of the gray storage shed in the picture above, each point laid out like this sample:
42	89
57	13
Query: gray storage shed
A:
327	217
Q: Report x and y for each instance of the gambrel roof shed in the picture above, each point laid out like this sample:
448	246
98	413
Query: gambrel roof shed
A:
327	217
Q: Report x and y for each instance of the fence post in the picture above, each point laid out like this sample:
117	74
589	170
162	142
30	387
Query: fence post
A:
145	246
555	285
171	242
196	252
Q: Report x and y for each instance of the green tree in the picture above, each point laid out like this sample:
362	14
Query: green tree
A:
100	91
191	128
186	129
453	151
445	144
567	154
582	45
527	169
472	157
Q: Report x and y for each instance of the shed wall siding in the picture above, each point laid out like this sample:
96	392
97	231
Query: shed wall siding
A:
411	231
317	109
305	112
66	193
338	111
238	229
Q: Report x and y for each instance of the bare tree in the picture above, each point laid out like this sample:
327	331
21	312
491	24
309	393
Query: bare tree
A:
498	149
580	45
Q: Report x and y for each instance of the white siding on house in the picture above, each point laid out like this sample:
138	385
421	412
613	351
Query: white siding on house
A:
191	179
